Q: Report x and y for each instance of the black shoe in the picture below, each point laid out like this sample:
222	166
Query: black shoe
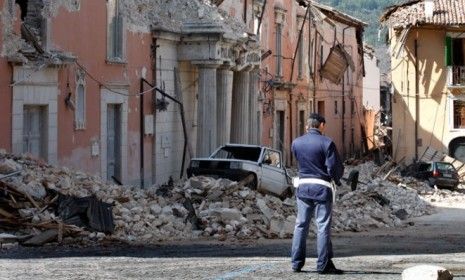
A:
331	269
296	270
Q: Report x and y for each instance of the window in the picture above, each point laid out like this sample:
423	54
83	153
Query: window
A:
349	75
35	24
35	130
272	158
80	111
115	32
459	113
455	59
321	108
257	13
278	50
352	107
302	121
256	21
335	107
310	56
280	129
80	107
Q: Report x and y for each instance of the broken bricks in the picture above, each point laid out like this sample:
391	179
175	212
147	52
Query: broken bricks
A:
200	207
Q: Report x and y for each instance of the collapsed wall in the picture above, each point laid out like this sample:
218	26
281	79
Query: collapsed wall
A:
175	15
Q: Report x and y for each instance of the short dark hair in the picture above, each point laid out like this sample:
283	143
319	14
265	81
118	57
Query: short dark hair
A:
314	120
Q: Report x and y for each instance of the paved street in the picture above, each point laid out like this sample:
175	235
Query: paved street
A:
378	254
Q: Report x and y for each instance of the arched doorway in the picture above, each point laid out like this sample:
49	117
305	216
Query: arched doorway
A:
457	148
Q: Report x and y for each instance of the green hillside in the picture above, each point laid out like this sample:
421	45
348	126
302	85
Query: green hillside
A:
368	11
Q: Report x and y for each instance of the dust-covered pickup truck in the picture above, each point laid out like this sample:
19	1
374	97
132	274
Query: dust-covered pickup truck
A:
237	162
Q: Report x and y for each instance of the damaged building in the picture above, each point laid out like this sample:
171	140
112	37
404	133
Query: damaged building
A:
71	73
125	89
427	43
316	65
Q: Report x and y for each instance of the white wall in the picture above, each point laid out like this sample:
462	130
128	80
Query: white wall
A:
169	142
371	84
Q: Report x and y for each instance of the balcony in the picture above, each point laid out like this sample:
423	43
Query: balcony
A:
456	76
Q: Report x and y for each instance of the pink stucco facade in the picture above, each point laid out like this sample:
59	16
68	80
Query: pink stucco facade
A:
82	34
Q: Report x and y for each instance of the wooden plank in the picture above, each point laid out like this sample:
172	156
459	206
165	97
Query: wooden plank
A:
42	238
48	204
36	205
6	214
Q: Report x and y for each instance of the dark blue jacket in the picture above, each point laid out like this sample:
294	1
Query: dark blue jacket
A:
318	158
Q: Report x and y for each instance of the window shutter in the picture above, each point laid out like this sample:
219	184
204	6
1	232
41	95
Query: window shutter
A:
448	51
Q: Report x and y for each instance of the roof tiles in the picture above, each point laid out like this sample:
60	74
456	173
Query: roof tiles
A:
446	12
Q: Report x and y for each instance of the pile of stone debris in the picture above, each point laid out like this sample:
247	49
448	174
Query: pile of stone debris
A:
33	202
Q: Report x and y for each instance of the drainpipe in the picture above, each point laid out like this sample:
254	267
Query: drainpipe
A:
417	100
343	99
292	78
245	11
154	81
315	52
141	128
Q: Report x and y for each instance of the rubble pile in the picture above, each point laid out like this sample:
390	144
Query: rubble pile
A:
177	15
32	203
379	202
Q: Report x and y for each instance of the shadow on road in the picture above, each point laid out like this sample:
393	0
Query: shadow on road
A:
355	245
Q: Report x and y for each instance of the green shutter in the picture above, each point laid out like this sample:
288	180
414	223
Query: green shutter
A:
448	51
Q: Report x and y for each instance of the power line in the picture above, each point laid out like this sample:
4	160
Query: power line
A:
107	87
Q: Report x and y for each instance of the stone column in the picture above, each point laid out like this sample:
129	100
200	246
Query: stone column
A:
206	109
240	108
224	83
253	107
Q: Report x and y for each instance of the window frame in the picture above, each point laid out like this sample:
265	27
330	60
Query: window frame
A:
113	12
452	99
278	48
80	124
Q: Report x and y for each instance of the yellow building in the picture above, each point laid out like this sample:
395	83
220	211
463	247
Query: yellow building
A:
427	47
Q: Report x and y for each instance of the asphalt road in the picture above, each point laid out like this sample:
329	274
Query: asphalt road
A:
378	254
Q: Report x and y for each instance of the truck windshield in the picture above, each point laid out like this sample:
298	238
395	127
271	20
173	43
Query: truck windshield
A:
243	153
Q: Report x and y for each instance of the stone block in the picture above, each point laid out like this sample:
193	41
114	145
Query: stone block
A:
426	272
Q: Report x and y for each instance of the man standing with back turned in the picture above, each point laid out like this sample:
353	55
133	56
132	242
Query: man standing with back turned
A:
319	164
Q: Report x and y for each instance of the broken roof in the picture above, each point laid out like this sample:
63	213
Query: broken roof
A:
412	13
338	15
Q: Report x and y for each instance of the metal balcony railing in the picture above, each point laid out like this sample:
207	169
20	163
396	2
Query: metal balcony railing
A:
458	76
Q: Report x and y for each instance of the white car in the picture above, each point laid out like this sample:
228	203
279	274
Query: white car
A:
237	161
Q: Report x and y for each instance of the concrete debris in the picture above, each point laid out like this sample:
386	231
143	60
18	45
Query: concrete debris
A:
51	7
11	37
8	166
177	15
200	207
